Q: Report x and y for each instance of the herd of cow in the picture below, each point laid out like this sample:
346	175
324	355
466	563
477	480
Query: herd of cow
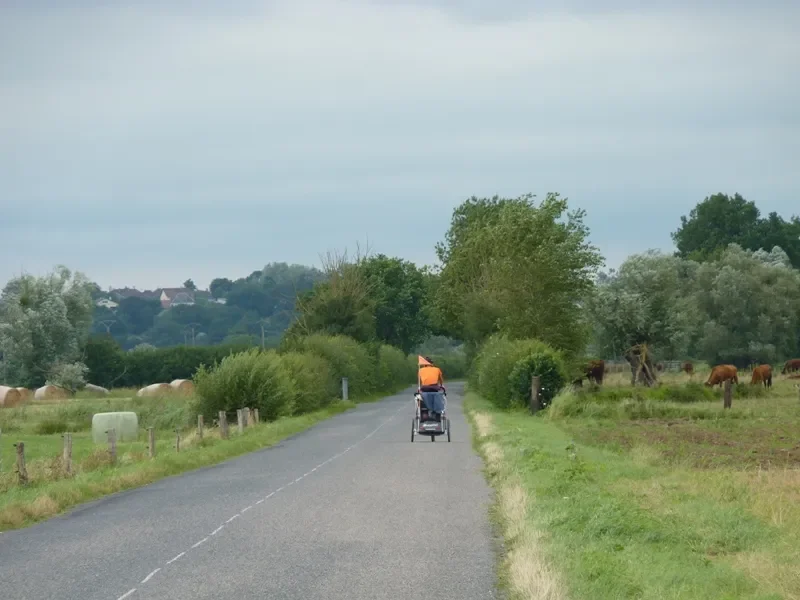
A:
762	374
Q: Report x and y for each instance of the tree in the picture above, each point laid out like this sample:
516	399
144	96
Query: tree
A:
138	314
189	285
720	220
44	322
514	267
220	286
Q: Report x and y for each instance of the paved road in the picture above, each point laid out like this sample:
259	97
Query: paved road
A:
349	509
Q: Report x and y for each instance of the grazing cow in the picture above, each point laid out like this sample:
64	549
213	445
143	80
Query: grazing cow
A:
659	367
791	366
687	367
762	374
721	374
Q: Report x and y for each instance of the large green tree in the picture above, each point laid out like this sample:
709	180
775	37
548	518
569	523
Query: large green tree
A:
517	267
720	220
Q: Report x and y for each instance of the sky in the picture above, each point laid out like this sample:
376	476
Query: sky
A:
195	139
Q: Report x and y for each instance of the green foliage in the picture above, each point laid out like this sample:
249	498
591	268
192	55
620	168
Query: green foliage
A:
313	384
549	366
501	254
720	220
394	367
70	376
346	357
253	378
502	364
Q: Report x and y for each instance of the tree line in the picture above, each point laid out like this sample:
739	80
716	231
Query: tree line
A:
518	268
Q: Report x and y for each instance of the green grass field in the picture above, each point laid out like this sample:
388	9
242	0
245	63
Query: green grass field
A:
623	497
51	491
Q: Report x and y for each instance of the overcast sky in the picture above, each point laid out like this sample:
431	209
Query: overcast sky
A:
146	145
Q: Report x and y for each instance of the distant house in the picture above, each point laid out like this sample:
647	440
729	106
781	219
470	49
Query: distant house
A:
107	303
126	292
175	296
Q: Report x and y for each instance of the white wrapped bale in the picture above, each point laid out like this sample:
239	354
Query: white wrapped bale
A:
51	392
96	389
184	387
126	425
9	397
155	389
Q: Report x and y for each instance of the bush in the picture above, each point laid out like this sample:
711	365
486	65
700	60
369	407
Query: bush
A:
252	378
453	364
313	384
346	357
499	357
550	368
394	368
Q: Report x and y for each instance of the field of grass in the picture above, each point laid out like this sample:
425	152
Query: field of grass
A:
51	491
651	495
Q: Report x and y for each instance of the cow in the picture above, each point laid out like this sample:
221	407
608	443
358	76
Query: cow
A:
791	365
721	374
687	367
595	370
659	367
762	374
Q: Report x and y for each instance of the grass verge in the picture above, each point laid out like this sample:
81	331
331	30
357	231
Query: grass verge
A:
583	521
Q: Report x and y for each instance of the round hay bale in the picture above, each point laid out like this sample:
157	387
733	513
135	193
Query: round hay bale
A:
154	389
51	392
25	393
125	425
9	397
182	386
96	389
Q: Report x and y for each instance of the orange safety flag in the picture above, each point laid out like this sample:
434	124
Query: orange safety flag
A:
422	362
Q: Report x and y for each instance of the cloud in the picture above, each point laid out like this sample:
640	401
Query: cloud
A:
164	123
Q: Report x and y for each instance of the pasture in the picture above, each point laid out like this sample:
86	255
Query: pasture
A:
621	492
40	425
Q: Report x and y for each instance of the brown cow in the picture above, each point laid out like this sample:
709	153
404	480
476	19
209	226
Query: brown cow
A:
721	374
659	367
762	374
687	367
791	365
595	370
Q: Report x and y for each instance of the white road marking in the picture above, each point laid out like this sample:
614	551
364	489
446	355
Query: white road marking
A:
246	508
260	501
217	530
149	577
205	539
236	516
298	479
169	562
126	594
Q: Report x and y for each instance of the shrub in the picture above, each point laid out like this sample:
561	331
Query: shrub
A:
496	361
394	368
313	384
252	378
70	376
346	357
548	366
453	364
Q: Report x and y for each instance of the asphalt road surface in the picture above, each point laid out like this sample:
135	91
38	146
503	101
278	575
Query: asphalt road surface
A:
349	509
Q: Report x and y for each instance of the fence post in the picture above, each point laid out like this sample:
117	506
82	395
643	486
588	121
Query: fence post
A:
22	472
250	417
345	390
240	420
112	445
151	441
535	401
223	425
67	453
256	416
246	416
177	440
727	396
200	426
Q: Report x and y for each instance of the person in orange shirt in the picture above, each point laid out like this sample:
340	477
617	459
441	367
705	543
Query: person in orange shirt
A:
430	378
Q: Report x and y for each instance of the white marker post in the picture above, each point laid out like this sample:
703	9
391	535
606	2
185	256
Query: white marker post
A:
345	391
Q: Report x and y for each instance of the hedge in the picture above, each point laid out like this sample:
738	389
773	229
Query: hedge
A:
503	369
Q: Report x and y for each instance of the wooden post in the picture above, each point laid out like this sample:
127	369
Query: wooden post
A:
240	419
535	400
151	441
67	453
727	397
200	426
223	425
112	445
177	440
256	417
251	417
345	390
22	472
246	416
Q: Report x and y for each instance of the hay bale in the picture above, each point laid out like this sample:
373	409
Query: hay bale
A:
154	389
51	392
9	397
96	389
25	393
183	386
126	425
